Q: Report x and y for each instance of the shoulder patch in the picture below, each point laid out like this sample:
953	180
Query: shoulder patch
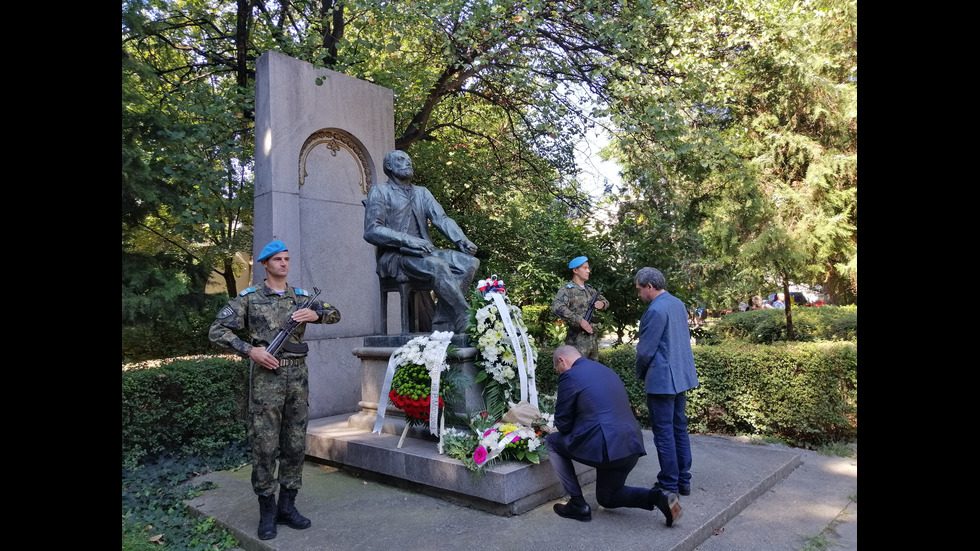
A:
569	285
225	312
302	292
247	291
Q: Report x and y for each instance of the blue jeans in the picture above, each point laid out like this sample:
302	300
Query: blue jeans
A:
670	436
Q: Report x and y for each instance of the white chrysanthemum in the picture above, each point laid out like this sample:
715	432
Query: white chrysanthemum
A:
433	355
485	342
491	440
442	336
451	432
483	314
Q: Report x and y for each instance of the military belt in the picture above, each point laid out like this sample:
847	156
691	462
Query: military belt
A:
283	362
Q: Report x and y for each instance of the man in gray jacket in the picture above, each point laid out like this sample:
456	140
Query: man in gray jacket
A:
665	362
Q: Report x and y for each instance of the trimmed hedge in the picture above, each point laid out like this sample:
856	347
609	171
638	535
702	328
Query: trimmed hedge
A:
805	394
184	407
802	393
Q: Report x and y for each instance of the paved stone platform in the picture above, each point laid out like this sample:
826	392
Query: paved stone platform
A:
352	512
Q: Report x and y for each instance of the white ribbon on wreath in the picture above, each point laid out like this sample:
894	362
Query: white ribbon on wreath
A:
525	357
435	355
385	390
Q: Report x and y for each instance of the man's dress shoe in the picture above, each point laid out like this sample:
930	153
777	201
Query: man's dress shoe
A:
668	503
567	510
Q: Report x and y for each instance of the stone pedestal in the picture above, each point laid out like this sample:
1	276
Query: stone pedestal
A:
374	357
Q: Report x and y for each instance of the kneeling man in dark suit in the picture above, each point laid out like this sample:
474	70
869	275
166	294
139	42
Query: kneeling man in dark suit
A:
597	428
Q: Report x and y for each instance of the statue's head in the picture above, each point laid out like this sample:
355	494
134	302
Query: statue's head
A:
398	165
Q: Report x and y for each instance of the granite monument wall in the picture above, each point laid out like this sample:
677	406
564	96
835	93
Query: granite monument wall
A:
318	150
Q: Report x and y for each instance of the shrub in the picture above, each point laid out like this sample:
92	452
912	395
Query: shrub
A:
546	329
168	335
535	322
827	323
545	377
184	406
804	394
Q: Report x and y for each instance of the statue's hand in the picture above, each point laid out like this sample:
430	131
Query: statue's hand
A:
423	245
466	246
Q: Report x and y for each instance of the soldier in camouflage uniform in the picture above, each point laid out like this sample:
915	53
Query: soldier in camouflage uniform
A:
279	393
571	304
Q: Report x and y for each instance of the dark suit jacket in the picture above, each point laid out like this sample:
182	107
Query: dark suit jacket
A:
594	416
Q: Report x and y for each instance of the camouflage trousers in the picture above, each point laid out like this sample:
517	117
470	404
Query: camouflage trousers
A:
586	344
277	420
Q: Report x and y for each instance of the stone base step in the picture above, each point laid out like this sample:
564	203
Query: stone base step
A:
507	488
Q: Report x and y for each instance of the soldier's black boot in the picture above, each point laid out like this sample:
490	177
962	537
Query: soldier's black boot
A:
267	517
288	514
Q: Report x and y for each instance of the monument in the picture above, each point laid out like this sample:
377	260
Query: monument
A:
322	140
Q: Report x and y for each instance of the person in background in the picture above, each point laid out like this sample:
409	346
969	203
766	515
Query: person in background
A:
571	304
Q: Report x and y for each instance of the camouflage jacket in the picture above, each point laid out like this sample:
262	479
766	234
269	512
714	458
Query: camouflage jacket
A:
258	314
571	303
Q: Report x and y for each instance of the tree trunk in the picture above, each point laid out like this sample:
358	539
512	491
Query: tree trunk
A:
333	29
229	274
790	334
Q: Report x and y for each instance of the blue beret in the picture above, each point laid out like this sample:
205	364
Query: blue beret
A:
578	261
271	249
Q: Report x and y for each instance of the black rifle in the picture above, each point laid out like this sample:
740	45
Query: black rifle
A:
275	347
591	310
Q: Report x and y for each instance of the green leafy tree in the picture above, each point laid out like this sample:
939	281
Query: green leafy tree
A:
800	106
187	110
719	106
759	180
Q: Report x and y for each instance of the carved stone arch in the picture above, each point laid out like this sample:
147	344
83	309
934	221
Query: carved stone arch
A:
337	140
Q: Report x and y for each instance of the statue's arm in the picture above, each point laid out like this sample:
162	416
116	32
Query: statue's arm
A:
437	215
